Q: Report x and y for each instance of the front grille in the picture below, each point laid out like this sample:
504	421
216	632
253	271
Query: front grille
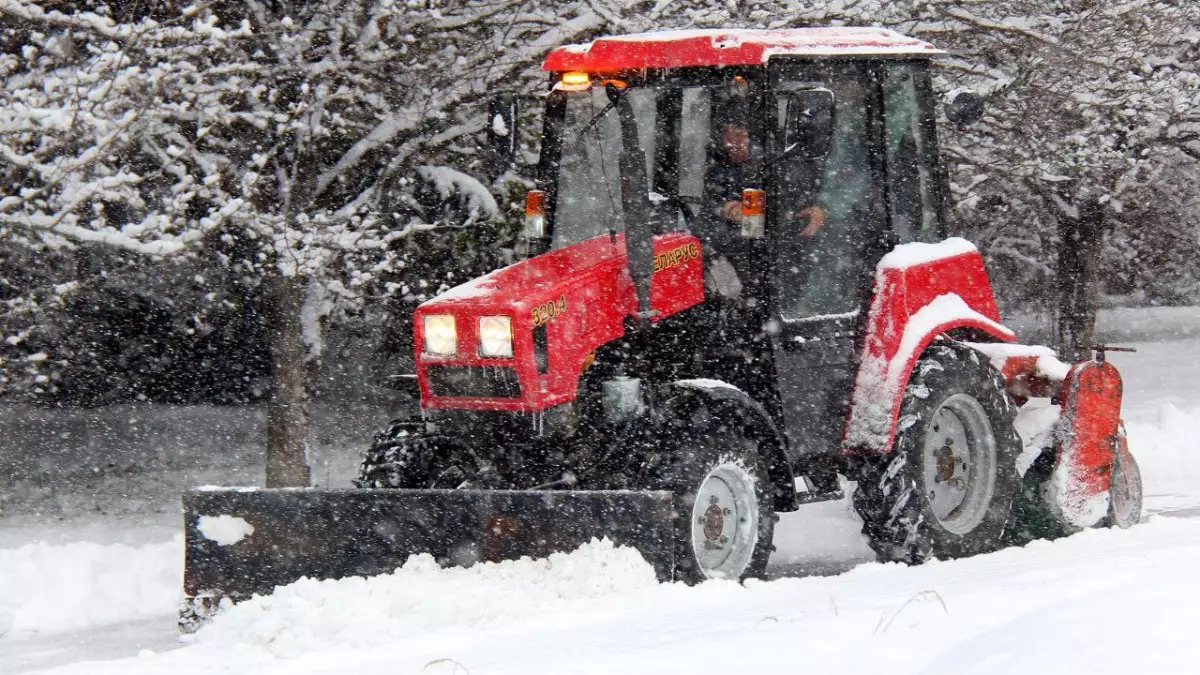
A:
474	382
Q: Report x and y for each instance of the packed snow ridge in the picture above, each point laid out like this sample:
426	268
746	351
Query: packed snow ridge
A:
311	615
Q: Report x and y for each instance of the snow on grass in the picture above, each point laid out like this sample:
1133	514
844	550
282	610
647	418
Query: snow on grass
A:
48	588
420	597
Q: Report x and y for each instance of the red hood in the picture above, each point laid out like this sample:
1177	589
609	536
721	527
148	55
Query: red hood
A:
527	282
577	299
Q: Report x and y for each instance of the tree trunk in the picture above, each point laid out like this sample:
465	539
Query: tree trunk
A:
1077	279
289	412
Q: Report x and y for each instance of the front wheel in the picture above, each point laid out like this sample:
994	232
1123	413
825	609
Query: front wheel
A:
405	456
724	515
948	487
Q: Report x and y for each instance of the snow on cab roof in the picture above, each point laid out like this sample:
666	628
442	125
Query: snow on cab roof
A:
733	47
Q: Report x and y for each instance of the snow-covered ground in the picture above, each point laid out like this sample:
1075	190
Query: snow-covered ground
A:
99	596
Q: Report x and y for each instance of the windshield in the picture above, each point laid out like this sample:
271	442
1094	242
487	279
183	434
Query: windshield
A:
683	129
589	180
674	131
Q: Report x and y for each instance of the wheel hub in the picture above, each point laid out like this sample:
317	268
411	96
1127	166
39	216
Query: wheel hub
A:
725	522
946	462
714	521
960	463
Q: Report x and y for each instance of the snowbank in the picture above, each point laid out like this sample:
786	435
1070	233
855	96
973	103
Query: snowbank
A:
51	588
1045	608
1168	456
421	597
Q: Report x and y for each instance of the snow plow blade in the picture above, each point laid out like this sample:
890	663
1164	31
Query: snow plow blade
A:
240	542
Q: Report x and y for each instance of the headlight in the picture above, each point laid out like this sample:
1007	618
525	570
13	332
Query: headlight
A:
441	335
495	336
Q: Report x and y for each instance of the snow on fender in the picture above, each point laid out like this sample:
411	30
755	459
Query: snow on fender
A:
225	530
922	291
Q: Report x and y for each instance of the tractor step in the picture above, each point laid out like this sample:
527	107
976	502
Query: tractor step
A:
241	542
803	498
820	486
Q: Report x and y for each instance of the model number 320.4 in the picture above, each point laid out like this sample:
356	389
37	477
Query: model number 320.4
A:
549	311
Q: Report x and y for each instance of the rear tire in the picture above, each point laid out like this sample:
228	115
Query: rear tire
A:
724	513
947	489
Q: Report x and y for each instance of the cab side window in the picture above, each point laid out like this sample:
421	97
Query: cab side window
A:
911	168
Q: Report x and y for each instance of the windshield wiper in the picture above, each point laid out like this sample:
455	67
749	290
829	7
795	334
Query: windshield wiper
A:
614	97
596	119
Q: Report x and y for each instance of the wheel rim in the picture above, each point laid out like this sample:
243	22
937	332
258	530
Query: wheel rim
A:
725	522
959	464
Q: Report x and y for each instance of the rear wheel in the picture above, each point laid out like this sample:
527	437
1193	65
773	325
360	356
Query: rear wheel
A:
947	489
725	520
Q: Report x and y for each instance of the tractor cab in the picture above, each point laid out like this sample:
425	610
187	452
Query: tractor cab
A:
797	158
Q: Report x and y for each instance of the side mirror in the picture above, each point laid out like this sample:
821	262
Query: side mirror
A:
808	123
964	108
502	130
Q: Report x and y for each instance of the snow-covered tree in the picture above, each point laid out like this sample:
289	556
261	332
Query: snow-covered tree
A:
305	128
310	146
1092	107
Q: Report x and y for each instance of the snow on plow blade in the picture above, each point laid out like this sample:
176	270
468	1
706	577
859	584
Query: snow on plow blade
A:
241	542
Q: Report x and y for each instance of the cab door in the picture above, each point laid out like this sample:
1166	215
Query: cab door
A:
822	275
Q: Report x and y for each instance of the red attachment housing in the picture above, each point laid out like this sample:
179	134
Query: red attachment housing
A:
581	294
1025	380
1090	438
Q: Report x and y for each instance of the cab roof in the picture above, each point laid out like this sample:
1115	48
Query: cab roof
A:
733	47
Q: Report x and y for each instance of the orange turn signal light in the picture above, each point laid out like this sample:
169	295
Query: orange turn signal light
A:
535	214
754	202
754	213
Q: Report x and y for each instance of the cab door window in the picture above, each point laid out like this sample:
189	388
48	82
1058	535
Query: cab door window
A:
824	208
912	178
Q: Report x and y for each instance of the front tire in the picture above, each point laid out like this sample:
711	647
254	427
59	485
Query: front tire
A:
948	487
405	456
724	515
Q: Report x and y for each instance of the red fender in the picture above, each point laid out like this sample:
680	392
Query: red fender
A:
922	291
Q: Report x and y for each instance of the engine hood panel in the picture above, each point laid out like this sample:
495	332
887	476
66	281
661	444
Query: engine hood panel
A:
580	296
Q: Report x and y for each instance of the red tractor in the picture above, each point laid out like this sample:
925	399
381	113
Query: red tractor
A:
738	288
